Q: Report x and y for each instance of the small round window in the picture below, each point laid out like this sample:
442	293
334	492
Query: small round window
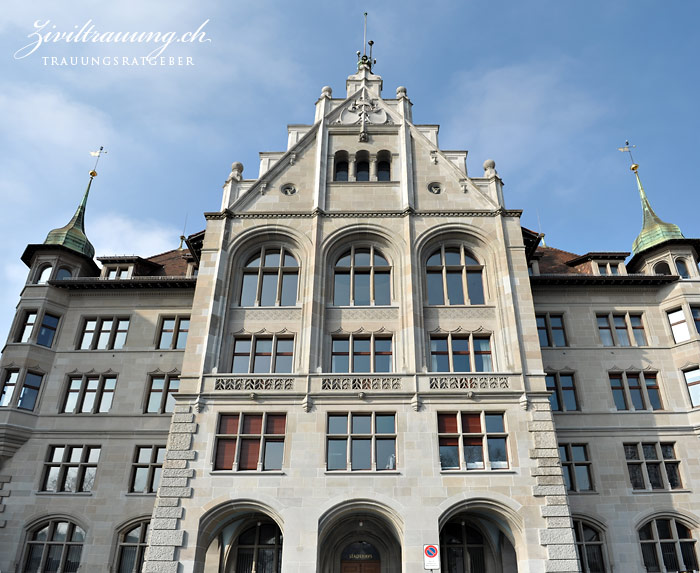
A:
288	189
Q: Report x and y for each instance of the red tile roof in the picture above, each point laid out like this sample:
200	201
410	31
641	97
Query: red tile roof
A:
553	261
174	262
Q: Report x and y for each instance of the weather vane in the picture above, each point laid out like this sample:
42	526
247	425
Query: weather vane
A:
97	154
362	56
628	149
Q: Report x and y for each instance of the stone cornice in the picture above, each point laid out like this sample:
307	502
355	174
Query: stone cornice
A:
227	214
92	283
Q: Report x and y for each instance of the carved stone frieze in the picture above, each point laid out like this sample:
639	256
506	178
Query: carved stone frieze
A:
469	383
363	314
282	384
368	383
270	315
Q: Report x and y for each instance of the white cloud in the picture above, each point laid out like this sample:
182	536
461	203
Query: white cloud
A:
117	234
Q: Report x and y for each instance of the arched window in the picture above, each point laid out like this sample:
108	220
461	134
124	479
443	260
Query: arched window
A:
259	549
270	278
63	273
669	544
132	546
44	275
341	166
54	546
362	278
462	548
589	546
454	277
662	268
362	166
383	166
682	268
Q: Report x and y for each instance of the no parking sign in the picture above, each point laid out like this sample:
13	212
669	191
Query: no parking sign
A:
431	557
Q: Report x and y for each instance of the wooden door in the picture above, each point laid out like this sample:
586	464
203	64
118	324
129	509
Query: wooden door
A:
359	567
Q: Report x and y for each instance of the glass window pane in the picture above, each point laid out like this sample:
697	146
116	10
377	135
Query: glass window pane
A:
338	424
361	289
385	424
249	290
494	423
583	478
361	454
273	455
268	294
452	257
337	454
361	424
455	291
289	289
362	258
434	259
449	453
447	423
435	294
341	289
225	454
654	473
272	258
473	453
497	452
386	454
382	288
140	480
250	451
475	288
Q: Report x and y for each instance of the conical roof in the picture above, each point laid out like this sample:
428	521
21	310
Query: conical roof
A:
72	235
654	230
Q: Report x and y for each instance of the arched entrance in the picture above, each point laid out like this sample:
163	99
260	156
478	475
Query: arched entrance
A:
359	537
472	543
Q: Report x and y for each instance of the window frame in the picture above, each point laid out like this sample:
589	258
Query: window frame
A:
472	351
570	464
176	332
68	543
464	268
673	325
140	546
351	437
642	388
98	331
281	271
18	386
692	383
460	436
629	327
252	352
549	331
657	542
100	391
351	338
660	461
153	467
351	271
582	543
166	392
82	466
263	438
558	391
117	272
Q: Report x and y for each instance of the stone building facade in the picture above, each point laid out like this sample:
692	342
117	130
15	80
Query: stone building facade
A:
362	355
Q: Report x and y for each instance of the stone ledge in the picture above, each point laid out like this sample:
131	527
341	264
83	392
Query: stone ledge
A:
540	490
177	473
161	523
183	418
180	455
559	536
160	567
172	512
160	553
166	537
175	492
561	566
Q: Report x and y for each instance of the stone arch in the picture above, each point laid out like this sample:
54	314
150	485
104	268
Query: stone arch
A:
356	520
690	519
600	528
119	530
33	524
220	525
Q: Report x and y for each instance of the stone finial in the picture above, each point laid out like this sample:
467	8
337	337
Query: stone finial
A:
326	91
490	168
236	171
400	92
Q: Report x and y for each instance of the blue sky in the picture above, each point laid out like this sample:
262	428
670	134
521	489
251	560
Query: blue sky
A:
549	89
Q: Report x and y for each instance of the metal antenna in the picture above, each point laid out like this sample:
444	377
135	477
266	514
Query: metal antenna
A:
364	37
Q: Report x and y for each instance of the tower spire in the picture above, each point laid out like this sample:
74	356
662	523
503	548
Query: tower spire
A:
364	61
72	235
654	230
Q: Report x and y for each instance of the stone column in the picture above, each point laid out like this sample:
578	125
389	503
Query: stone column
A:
352	167
373	168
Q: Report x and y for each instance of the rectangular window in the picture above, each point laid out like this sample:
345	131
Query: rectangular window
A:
363	441
695	311
270	354
27	327
89	394
9	385
472	441
563	392
250	442
116	272
455	353
679	327
356	353
107	333
623	329
653	466
47	331
70	468
692	379
635	391
550	328
146	469
29	393
173	333
160	399
576	467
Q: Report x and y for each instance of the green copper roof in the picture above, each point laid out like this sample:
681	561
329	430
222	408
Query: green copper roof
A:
73	235
654	230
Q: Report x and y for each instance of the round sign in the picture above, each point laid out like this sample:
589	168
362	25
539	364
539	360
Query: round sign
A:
431	551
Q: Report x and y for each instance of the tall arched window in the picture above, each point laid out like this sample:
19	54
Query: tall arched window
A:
384	166
259	549
44	275
462	548
362	278
340	166
669	544
270	278
132	546
362	166
54	546
454	277
589	546
682	269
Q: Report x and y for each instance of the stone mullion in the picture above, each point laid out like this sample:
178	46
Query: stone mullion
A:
558	536
166	534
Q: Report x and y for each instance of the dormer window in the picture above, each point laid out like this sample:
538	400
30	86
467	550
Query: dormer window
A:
606	269
115	272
